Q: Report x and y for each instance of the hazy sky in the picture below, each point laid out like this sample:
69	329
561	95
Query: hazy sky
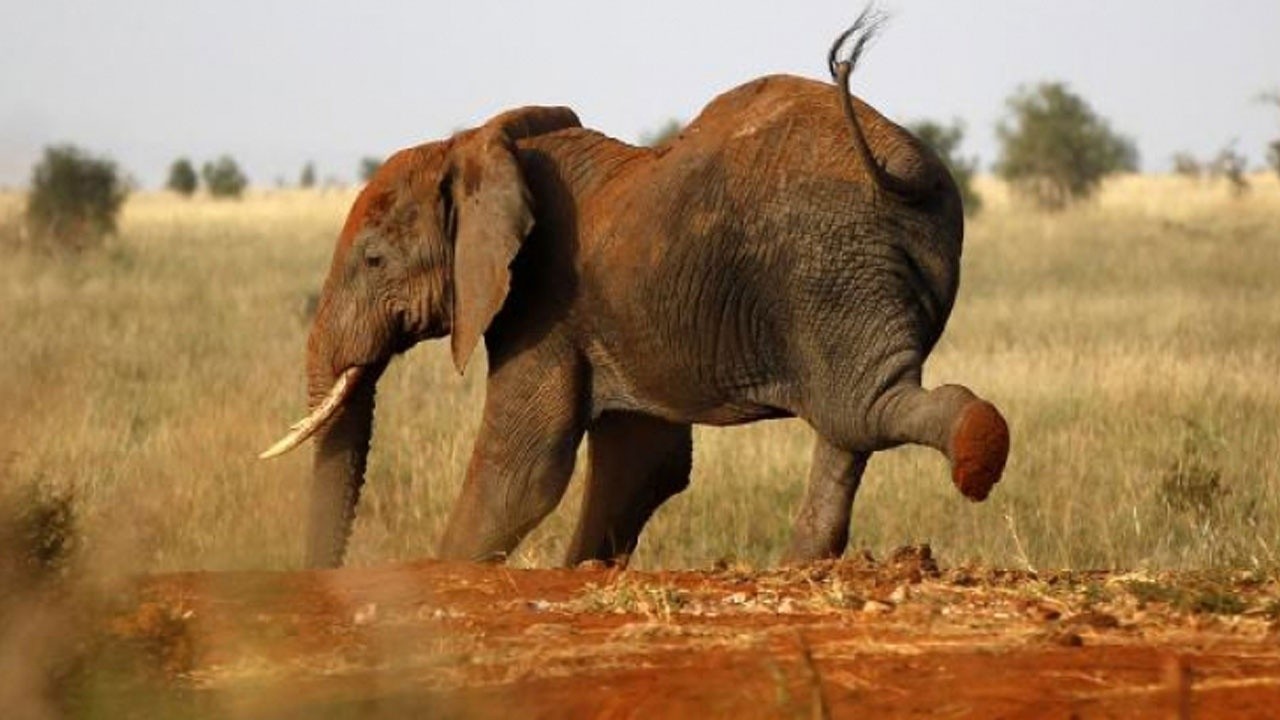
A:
277	83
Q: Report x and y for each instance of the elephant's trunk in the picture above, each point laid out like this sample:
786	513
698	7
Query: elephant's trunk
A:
342	451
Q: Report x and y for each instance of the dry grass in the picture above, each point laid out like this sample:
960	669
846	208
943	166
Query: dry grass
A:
1132	344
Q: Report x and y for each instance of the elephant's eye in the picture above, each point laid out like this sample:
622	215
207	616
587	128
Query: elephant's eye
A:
372	258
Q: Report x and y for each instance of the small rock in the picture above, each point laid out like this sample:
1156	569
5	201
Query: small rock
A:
915	562
365	614
548	630
435	614
1045	613
899	595
1095	619
876	607
786	607
1066	638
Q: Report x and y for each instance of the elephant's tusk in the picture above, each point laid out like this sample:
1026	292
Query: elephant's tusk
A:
304	428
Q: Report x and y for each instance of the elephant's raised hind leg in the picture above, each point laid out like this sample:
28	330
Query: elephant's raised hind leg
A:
637	463
821	528
970	431
522	460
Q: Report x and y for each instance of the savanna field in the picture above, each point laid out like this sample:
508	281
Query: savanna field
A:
1127	564
1133	343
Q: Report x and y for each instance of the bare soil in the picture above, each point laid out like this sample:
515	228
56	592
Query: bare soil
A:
854	638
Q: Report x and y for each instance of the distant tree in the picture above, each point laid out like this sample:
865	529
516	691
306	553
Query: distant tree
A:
945	140
1231	166
368	166
74	198
1055	149
182	177
307	179
1273	148
223	177
662	134
1186	165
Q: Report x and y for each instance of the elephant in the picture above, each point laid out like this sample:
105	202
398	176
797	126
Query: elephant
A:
792	253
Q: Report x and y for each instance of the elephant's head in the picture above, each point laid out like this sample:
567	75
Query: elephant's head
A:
424	253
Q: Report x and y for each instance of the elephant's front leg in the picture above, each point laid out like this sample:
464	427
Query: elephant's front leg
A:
821	528
522	460
637	463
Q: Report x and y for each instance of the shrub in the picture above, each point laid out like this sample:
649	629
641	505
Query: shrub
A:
223	177
182	177
37	534
1231	166
1193	481
1055	149
945	140
1273	148
1186	165
74	198
307	179
665	132
368	166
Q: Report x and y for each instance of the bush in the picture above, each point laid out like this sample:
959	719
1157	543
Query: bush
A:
223	177
1273	148
368	166
182	177
1186	165
1055	149
74	198
665	132
307	179
37	535
1192	483
945	140
1231	166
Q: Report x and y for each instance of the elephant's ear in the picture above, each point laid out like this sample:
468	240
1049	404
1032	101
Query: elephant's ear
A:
494	215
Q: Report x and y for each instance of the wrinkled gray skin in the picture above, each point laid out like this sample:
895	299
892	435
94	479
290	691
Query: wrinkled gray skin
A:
774	260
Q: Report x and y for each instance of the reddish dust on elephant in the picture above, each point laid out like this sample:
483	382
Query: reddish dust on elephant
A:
792	253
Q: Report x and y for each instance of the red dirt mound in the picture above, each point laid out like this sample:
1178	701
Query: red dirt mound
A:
854	638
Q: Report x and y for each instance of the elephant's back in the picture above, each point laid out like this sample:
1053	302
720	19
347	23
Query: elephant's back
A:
797	125
769	102
745	253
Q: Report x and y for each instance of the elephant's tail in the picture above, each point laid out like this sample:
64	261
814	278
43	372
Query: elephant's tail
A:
862	31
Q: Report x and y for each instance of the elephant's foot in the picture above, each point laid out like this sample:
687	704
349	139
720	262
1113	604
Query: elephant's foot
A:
979	448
